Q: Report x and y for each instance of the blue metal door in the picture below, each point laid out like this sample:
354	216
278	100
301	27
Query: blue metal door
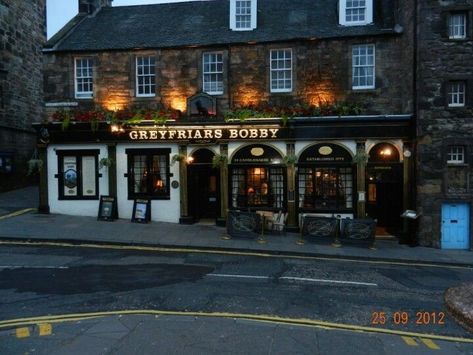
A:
455	226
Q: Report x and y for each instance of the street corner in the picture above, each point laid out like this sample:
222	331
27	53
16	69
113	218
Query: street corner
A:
459	302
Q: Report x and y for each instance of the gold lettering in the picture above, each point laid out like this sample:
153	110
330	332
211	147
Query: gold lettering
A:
197	134
274	131
253	133
162	134
143	135
153	134
172	134
133	135
233	133
208	133
263	133
181	134
244	133
218	133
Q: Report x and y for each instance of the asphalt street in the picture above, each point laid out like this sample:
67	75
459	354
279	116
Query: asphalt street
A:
54	281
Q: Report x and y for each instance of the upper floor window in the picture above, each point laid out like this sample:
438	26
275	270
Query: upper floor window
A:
281	70
212	73
355	12
84	88
456	154
456	93
363	66
148	173
457	25
243	15
145	76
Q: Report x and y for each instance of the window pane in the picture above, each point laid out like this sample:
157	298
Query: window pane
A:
88	176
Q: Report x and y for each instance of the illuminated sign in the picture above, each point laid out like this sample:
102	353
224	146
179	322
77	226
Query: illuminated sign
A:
204	134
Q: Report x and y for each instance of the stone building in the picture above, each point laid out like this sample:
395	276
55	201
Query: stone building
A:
23	35
445	123
297	104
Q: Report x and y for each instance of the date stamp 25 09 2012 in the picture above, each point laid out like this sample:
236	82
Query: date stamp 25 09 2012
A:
403	318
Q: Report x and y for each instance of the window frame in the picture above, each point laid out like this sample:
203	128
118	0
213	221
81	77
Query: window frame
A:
83	95
343	14
78	154
451	94
460	151
274	70
151	75
465	16
204	73
354	67
233	15
149	153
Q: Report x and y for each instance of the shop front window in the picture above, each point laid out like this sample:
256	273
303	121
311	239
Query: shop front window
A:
326	188
148	173
257	187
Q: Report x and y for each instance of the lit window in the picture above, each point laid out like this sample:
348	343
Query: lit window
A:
84	78
281	70
78	174
145	76
243	15
457	26
213	73
456	93
363	63
6	163
148	173
356	12
456	154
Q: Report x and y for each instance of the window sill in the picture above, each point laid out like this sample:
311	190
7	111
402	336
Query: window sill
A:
365	91
460	165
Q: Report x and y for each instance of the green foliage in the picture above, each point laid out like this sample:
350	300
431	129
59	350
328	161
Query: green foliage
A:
219	160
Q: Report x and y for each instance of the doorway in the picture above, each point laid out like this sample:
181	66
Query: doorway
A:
203	187
384	188
455	226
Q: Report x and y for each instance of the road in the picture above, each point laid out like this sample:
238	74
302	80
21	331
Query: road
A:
148	302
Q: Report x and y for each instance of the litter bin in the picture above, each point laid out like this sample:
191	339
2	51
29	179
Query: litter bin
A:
408	236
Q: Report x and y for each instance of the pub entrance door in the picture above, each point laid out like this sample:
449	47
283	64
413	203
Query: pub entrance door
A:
203	187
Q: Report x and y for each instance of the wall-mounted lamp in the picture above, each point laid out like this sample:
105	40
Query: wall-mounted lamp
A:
407	153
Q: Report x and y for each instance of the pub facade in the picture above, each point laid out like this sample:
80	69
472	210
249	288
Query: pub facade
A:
248	105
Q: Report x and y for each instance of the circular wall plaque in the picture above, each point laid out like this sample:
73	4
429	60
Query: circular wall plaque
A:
257	152
325	150
175	184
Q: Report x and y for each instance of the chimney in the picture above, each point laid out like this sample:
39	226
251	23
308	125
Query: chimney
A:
90	6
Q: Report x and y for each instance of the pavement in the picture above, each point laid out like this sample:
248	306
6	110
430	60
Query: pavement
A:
36	227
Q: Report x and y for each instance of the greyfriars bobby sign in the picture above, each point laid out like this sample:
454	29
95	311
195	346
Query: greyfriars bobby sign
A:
203	134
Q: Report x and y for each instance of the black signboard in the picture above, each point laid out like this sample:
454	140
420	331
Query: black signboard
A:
319	227
107	209
257	154
359	230
325	153
243	224
141	211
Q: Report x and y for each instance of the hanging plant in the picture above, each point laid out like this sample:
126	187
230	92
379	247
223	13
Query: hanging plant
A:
34	164
219	160
289	160
106	162
177	157
361	157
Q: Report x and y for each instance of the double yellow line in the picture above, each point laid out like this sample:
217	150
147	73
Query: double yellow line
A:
17	213
12	323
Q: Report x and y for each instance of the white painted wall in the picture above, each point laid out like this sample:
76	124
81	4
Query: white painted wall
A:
161	210
74	207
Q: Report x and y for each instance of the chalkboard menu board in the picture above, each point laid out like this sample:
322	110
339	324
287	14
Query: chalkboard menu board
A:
243	224
107	209
141	211
359	230
319	226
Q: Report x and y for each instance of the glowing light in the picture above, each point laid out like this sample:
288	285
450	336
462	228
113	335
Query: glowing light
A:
115	103
189	160
115	128
179	103
386	152
248	96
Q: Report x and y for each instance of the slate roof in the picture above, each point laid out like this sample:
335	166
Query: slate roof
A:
205	23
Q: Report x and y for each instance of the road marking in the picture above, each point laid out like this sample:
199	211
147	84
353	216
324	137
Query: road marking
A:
409	341
430	344
303	279
254	317
162	249
17	213
328	281
45	329
31	267
22	332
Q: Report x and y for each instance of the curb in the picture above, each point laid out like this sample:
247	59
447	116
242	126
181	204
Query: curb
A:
255	252
465	321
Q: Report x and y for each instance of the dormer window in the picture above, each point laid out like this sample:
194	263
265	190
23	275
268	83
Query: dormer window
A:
243	15
355	12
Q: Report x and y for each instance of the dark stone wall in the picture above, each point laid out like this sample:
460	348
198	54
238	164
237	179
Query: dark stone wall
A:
441	59
22	37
